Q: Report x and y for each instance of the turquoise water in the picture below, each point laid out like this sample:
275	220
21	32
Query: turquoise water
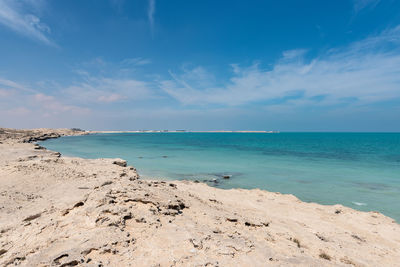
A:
359	170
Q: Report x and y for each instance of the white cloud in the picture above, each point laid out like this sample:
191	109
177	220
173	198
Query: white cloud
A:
14	16
365	72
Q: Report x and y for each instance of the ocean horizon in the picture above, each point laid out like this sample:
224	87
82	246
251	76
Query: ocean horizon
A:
358	170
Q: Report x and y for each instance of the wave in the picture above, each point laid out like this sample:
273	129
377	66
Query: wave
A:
359	203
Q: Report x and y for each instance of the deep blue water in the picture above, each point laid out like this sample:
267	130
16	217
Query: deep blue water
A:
359	170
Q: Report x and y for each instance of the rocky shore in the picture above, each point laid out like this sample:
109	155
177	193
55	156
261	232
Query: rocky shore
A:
64	211
33	135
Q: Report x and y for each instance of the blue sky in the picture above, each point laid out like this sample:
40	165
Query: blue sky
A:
201	65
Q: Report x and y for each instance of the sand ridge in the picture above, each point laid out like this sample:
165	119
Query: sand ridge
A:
65	211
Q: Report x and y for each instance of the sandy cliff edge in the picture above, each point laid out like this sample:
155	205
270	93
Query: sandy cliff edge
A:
65	211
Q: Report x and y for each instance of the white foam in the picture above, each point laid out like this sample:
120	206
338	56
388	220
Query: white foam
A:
359	203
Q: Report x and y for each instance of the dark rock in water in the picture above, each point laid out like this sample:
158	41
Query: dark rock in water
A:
165	156
225	175
373	186
213	181
196	181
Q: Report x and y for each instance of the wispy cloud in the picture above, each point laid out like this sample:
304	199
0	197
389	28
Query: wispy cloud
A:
117	4
150	14
91	95
107	90
100	67
138	61
361	4
51	106
365	72
9	85
20	103
15	16
101	81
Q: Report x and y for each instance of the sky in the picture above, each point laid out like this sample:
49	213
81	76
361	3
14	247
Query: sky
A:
200	65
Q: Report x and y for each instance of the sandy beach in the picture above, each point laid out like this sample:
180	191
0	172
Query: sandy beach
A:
65	211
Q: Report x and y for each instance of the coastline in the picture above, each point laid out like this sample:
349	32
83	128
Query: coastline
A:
99	211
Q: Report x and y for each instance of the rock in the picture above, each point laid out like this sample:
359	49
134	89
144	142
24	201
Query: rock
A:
226	176
79	204
58	258
57	154
2	251
32	217
120	162
106	183
39	147
177	206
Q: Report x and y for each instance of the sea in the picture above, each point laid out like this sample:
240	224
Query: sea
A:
358	170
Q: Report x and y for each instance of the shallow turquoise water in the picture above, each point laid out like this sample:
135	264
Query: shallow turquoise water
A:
359	170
